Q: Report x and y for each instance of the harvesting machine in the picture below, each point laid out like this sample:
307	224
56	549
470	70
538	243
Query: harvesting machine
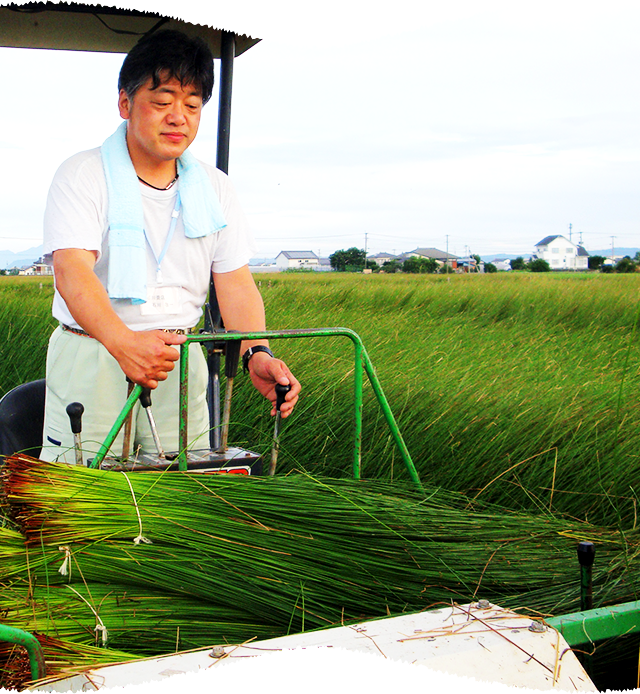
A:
479	639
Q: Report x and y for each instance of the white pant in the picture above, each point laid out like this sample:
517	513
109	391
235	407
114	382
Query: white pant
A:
79	369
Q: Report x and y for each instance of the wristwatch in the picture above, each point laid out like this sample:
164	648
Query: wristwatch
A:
250	352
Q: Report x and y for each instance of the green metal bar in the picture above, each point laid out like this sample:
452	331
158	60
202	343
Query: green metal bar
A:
184	406
118	424
580	628
369	370
358	403
361	360
391	421
32	645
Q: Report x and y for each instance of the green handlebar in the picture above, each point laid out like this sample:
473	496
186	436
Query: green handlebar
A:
32	645
363	366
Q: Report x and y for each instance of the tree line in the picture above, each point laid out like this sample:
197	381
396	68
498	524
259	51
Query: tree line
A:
355	260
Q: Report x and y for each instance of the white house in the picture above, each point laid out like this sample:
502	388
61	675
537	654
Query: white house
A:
502	264
286	260
38	269
562	254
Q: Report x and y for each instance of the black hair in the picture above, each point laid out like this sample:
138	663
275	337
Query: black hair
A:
165	55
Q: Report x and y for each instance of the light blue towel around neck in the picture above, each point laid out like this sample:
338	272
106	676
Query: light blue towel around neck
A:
201	214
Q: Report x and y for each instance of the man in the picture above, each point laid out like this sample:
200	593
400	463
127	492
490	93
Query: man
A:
133	229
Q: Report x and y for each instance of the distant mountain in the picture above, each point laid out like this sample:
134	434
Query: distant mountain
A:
504	256
262	261
9	259
618	251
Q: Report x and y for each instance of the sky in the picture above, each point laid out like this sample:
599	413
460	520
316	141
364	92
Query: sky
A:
468	126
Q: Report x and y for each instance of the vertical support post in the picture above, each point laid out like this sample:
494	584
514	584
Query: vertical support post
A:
586	556
213	397
227	55
184	405
357	446
213	320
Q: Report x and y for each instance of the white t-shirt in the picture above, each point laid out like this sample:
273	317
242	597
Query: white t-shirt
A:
76	217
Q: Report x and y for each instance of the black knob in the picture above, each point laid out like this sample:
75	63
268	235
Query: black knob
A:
281	391
586	553
145	397
75	411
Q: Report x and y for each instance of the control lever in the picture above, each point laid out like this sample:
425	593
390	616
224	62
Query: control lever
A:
281	392
128	423
145	401
75	411
231	359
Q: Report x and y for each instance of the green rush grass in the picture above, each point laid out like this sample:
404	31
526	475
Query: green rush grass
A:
296	552
25	326
515	388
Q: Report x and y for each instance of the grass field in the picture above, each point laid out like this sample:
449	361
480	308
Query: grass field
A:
517	388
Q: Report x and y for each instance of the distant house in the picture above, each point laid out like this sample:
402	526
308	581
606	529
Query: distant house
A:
439	256
562	254
38	269
502	264
469	264
381	258
287	260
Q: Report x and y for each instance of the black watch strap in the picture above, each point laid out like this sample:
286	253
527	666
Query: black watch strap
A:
250	352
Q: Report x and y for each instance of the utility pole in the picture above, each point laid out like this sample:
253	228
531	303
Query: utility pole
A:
446	262
365	250
570	228
612	249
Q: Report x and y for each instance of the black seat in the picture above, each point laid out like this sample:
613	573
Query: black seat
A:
22	419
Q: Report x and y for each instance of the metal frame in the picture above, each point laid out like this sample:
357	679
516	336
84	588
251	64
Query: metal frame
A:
583	628
31	644
362	365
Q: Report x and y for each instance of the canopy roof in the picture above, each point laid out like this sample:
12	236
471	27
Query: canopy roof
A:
83	27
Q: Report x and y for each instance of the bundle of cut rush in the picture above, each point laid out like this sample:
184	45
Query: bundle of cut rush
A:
246	557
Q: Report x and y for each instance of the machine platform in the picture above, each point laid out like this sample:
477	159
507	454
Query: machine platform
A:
479	640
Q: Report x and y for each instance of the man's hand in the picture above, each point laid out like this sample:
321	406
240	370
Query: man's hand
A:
265	372
147	357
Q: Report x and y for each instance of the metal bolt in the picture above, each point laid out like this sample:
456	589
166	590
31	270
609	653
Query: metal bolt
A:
217	652
538	627
483	604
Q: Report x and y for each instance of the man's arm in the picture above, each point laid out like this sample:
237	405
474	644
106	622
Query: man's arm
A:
145	357
242	309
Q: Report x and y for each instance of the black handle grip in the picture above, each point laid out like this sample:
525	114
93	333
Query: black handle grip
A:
281	391
75	411
231	358
145	397
586	553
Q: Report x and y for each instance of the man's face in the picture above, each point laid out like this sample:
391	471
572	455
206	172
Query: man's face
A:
162	122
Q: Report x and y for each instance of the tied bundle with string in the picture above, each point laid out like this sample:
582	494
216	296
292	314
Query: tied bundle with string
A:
269	556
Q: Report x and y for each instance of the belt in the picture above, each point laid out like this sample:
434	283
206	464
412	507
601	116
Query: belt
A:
175	331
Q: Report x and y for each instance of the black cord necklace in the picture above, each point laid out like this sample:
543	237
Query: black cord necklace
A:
154	187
